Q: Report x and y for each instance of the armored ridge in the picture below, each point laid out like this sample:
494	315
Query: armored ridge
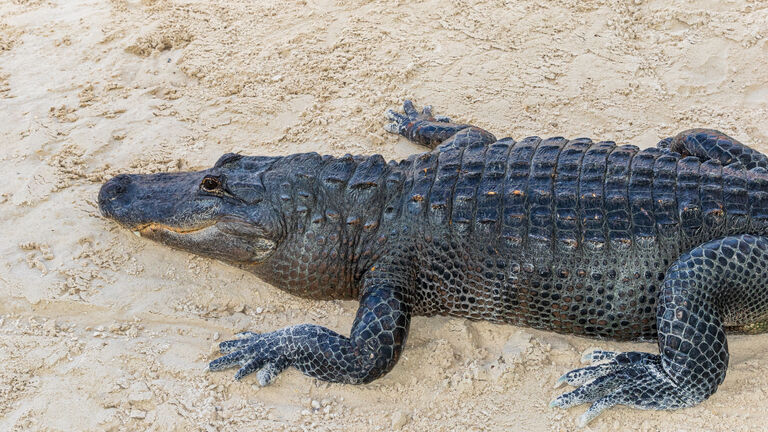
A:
572	236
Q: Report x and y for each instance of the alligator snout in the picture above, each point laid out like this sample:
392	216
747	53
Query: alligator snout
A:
111	191
170	199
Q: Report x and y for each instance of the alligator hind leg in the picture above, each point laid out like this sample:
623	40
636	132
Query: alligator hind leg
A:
709	144
433	131
718	284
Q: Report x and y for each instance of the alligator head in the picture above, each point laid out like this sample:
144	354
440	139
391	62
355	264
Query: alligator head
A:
223	212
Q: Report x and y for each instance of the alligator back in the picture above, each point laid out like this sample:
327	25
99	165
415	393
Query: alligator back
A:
567	235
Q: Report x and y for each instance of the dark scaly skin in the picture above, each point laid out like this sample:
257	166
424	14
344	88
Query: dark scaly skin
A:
572	236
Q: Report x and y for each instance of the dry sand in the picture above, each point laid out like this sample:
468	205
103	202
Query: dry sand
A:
100	330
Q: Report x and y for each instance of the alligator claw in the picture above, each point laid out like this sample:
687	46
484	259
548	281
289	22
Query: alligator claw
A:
581	376
270	371
232	345
227	361
409	109
246	334
598	356
392	128
395	116
250	366
587	393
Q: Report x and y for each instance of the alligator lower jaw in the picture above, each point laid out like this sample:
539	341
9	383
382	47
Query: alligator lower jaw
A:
211	241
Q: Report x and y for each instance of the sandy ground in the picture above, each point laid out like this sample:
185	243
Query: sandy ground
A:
101	330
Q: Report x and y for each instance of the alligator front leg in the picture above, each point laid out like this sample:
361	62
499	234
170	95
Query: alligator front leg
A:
374	346
433	131
716	284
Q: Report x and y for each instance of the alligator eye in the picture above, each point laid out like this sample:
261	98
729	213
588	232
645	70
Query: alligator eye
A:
210	184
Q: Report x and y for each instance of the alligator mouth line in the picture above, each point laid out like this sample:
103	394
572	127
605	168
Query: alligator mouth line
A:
145	229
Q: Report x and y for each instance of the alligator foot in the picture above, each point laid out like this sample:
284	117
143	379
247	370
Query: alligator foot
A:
634	379
401	121
435	131
252	352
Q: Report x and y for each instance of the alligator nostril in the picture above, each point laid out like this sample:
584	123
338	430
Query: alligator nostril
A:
113	189
120	183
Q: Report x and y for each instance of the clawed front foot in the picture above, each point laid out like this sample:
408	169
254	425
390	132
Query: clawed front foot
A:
400	122
377	339
434	131
635	379
253	351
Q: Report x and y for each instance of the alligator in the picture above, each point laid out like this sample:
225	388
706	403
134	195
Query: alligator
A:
594	239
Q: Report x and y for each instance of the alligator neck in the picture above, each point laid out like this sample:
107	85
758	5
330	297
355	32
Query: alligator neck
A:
333	210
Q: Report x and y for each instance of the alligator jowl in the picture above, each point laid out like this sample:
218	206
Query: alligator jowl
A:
579	237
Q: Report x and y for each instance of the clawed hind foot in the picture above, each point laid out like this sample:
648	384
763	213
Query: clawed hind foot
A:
634	379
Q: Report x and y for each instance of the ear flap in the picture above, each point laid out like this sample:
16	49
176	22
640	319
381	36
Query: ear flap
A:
247	191
227	158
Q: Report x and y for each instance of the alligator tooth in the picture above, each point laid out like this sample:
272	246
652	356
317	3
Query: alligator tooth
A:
138	234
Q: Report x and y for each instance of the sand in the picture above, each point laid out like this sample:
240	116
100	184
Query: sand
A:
101	330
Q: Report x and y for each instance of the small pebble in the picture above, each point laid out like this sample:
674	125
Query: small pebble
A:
399	419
